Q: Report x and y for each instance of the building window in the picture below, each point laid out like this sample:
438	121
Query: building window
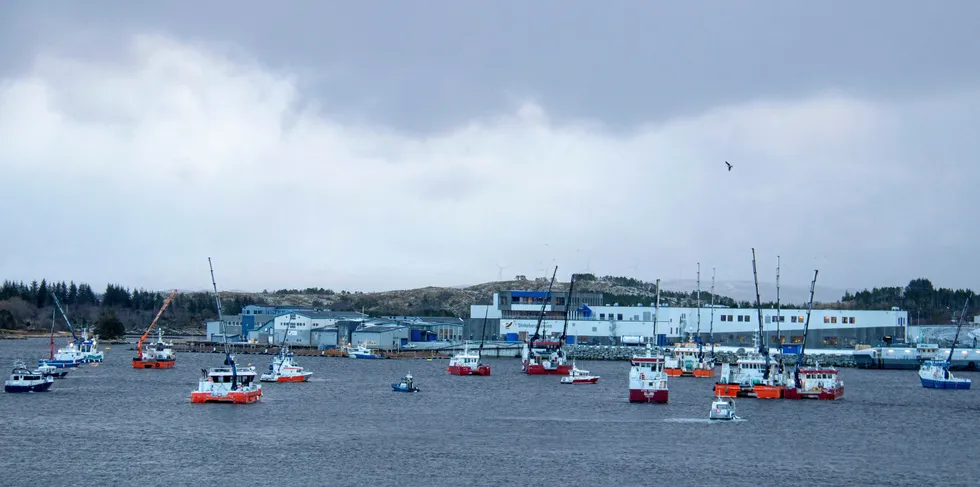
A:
793	319
748	318
723	318
852	320
833	319
740	318
594	329
768	319
800	319
602	316
619	317
826	319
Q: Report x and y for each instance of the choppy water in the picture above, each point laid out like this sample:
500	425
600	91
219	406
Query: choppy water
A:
113	425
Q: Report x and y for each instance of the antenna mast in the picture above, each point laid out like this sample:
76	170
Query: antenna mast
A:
779	337
763	347
711	327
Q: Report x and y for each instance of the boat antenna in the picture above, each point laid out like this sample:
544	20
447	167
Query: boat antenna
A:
763	347
959	325
568	309
483	335
229	360
806	328
544	304
656	313
711	327
698	339
779	337
53	311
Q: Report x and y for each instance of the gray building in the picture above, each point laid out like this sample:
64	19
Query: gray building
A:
385	336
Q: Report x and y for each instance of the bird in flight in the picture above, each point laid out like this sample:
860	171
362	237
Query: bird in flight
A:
729	166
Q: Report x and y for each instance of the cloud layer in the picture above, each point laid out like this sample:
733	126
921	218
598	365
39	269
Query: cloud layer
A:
136	169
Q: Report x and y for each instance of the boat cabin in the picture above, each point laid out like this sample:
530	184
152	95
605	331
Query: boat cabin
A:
817	378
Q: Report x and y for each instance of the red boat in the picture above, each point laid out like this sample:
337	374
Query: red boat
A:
579	376
816	383
648	381
467	363
546	358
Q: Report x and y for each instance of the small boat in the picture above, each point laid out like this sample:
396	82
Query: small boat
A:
406	384
52	371
283	369
723	409
935	374
157	355
579	376
361	352
467	363
24	380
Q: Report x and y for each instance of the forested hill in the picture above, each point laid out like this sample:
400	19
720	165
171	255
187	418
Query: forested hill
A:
30	306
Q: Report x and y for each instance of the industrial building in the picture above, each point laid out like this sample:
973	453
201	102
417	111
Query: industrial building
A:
513	316
384	336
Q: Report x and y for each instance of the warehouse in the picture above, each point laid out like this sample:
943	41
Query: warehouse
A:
384	336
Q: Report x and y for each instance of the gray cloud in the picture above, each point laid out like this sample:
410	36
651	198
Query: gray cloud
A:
429	153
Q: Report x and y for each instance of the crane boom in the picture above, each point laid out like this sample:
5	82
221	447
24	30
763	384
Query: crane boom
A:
58	304
166	302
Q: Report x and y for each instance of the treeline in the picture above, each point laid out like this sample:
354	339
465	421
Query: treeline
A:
924	302
30	306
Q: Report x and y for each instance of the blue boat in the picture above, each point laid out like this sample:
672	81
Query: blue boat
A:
361	352
24	380
934	374
406	384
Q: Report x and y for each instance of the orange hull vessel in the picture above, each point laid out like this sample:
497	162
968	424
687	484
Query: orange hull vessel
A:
153	364
294	378
727	390
768	392
704	372
235	397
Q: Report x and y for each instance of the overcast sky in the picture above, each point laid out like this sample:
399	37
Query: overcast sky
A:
382	145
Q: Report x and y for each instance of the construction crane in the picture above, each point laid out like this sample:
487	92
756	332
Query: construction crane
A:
166	302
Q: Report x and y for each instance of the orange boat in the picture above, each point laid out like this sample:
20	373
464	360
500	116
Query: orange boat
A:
227	384
158	355
687	361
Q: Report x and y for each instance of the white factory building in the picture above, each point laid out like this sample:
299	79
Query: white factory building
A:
514	315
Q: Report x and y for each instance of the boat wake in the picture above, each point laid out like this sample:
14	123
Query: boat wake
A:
572	420
701	420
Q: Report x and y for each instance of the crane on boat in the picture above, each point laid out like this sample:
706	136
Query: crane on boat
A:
229	360
801	358
537	329
139	344
568	304
57	303
763	346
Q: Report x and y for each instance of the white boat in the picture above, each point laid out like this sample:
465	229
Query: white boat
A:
227	384
283	369
361	352
647	379
467	363
23	380
723	409
52	371
579	376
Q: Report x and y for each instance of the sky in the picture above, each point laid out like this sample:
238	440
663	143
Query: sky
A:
388	145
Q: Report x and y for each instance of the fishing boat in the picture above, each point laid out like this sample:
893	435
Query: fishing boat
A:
579	376
24	380
158	355
468	363
228	383
647	378
814	382
687	359
407	384
756	375
935	374
723	409
284	369
52	371
80	350
361	351
539	357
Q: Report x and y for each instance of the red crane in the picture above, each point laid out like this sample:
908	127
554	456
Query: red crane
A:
166	302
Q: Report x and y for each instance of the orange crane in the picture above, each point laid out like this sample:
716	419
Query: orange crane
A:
161	357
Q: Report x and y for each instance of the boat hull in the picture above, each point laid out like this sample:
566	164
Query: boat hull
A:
233	397
538	369
38	387
727	390
364	356
61	364
401	388
641	395
465	370
291	378
945	384
591	380
823	394
674	372
154	364
767	392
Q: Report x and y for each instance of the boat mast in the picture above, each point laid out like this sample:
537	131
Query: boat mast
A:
53	311
698	339
483	336
568	305
806	328
763	347
959	325
779	337
537	329
711	326
656	312
229	360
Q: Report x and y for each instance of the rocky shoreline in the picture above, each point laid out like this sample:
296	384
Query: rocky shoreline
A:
595	352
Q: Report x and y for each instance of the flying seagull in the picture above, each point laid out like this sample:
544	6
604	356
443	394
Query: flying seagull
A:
729	166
